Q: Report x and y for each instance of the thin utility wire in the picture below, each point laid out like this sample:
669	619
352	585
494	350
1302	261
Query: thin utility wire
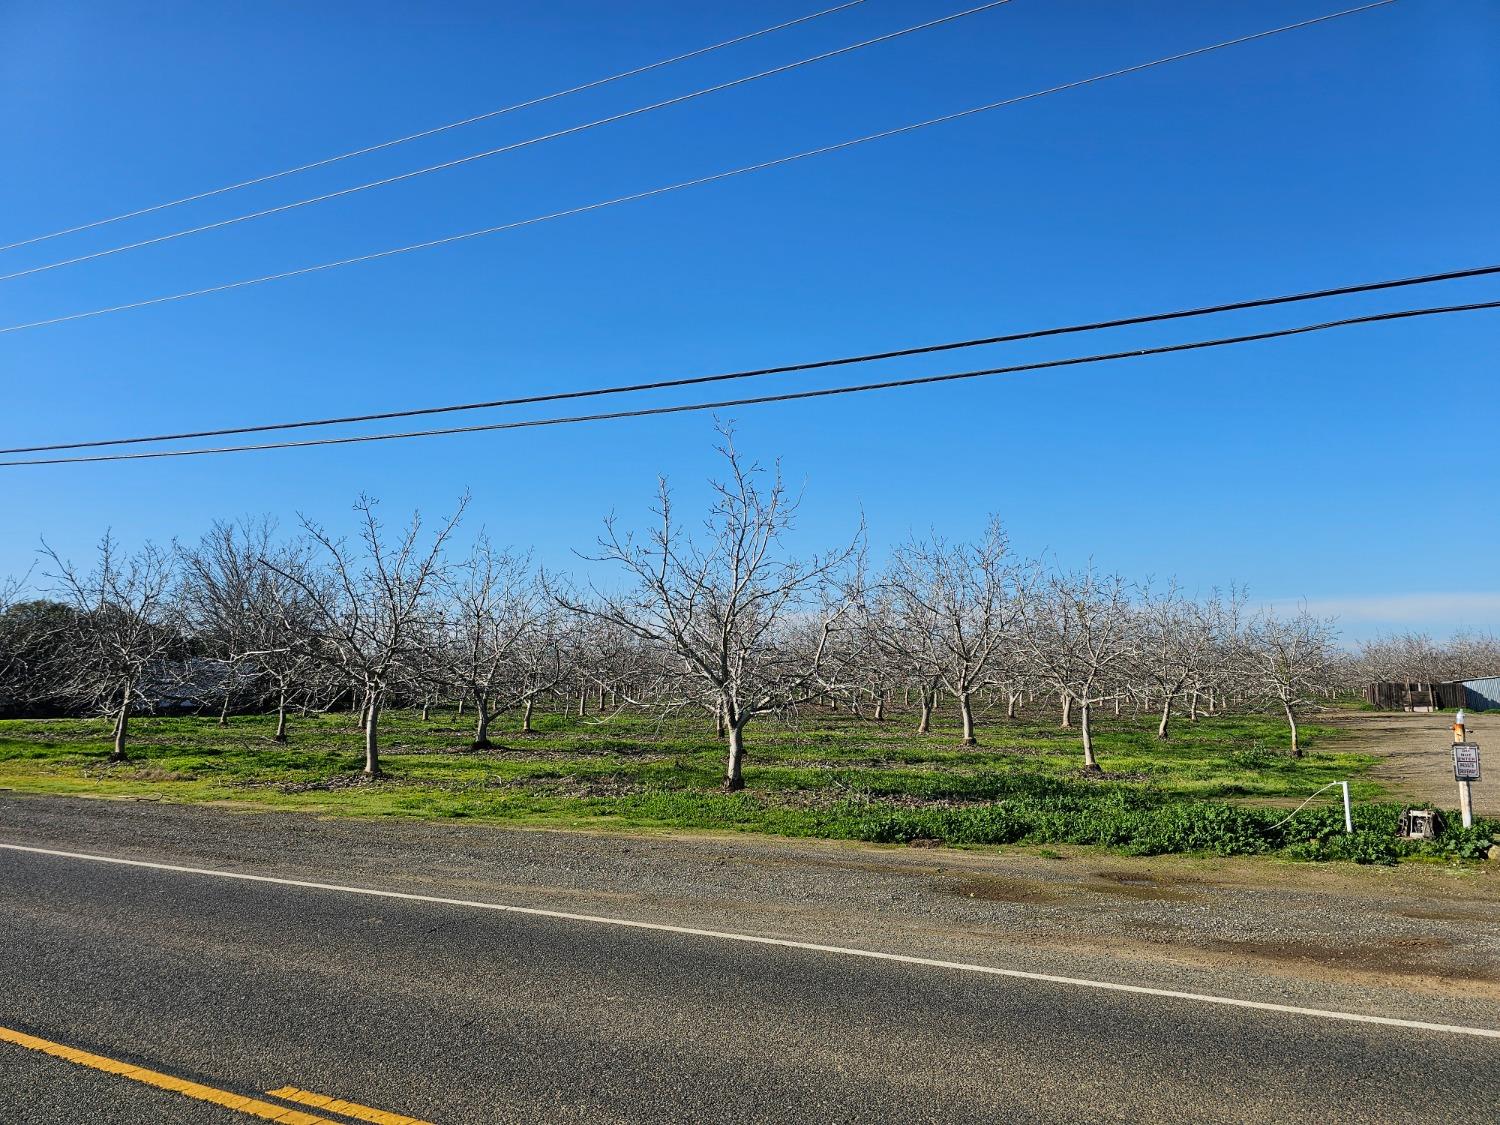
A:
809	365
529	103
514	146
792	396
701	180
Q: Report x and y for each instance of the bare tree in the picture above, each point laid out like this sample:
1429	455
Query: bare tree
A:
506	648
1077	630
126	630
247	614
746	625
1286	660
16	637
372	610
1171	640
957	605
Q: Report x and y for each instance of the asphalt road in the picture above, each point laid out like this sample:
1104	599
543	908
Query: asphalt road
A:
453	1014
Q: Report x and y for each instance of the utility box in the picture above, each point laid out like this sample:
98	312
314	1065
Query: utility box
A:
1418	824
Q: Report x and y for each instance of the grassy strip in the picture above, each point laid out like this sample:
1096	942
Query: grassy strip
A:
829	776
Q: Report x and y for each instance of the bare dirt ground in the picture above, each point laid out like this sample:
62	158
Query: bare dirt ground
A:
1416	763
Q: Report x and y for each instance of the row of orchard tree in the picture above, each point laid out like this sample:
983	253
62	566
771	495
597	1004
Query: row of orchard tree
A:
718	615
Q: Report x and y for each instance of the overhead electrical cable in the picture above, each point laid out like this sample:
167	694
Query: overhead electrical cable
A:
790	396
435	130
500	150
700	180
809	365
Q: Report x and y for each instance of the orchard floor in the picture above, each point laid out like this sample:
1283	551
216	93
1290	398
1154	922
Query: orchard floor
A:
1220	785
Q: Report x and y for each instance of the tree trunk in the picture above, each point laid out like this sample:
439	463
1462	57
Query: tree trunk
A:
583	702
1011	699
1117	705
426	708
280	735
1193	705
720	727
880	708
526	716
224	711
481	728
925	726
1067	709
734	776
1291	722
1166	717
122	724
372	735
460	714
966	711
1090	763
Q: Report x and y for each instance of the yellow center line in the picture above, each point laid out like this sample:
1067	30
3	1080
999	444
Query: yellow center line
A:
252	1107
348	1109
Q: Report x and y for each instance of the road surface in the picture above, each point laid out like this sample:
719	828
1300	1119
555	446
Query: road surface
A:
269	998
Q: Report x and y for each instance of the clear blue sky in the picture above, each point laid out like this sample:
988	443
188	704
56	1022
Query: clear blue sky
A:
1351	469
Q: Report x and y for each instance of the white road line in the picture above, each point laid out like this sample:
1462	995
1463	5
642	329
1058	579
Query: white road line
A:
784	943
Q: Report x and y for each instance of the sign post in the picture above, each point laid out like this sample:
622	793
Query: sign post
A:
1465	770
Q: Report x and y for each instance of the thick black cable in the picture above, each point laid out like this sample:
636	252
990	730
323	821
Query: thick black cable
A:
914	381
811	365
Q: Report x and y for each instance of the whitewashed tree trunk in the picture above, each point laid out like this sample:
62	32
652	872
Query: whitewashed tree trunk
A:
122	726
1291	722
1090	763
734	773
372	735
966	711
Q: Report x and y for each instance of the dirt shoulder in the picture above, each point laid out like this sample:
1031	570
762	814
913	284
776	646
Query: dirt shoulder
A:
1414	760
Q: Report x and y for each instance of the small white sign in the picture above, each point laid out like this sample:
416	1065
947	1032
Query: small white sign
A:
1466	761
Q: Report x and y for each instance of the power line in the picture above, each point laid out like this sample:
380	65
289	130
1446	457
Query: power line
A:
529	103
698	181
500	150
791	396
810	365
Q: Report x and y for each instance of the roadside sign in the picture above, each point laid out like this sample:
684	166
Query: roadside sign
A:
1466	761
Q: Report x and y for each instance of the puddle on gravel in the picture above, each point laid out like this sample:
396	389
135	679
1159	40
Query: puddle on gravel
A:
1131	884
997	888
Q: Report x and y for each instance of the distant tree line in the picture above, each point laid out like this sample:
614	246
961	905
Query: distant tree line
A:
1414	657
714	615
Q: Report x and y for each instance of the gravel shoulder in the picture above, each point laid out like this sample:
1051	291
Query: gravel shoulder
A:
1417	941
1415	763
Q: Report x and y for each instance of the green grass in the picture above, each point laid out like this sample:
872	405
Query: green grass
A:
1210	788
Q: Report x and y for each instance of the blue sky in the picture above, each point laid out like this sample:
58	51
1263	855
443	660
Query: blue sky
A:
1351	469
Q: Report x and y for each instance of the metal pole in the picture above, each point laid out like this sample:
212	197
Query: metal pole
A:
1348	812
